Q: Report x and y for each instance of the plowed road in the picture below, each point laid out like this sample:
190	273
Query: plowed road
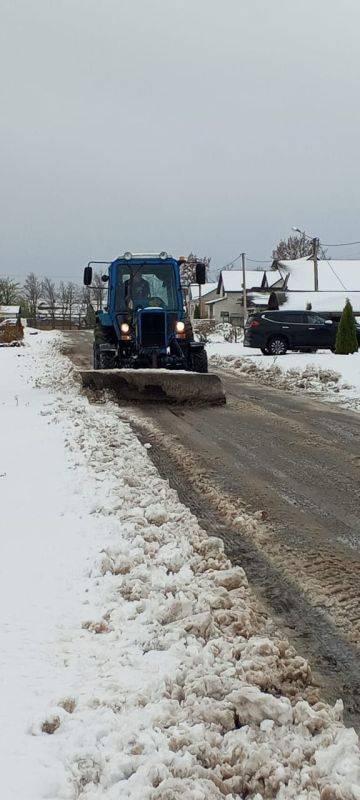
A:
297	461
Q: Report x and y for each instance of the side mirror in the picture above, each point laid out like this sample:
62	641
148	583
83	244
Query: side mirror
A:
200	273
87	276
105	278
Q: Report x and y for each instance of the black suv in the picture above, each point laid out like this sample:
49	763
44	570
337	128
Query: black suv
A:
275	332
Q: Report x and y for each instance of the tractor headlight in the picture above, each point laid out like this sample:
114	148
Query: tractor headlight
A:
128	256
124	327
180	327
163	255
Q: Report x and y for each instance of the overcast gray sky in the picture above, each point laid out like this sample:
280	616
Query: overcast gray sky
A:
175	124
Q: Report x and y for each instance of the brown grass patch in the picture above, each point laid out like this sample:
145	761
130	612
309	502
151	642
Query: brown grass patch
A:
11	333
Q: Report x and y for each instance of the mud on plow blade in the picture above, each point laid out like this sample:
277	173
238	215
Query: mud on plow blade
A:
162	385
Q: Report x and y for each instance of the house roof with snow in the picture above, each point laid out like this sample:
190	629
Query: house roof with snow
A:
323	302
205	289
257	299
274	278
9	311
232	280
334	274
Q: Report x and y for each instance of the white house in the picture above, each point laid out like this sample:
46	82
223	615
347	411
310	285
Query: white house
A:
227	304
208	291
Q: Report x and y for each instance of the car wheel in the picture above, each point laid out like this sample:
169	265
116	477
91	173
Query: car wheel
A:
277	346
265	351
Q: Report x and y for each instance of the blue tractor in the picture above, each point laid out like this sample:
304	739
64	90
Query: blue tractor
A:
144	347
144	324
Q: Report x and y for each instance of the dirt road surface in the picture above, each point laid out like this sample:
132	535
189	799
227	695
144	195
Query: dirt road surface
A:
295	462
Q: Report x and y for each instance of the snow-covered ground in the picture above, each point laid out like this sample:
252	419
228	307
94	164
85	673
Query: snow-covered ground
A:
332	377
134	661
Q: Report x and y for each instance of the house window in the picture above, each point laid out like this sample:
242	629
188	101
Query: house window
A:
236	321
224	316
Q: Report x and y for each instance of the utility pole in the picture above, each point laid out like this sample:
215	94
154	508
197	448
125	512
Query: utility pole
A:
244	287
315	243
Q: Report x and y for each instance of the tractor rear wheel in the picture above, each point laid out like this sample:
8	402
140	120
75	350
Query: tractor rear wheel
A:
199	361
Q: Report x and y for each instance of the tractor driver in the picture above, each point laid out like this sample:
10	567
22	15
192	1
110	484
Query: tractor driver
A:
137	290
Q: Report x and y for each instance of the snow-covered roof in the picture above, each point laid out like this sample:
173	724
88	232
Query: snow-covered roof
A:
232	280
273	276
258	298
216	300
9	310
205	289
321	301
334	275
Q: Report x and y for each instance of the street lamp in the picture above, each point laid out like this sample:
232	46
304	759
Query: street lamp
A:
315	245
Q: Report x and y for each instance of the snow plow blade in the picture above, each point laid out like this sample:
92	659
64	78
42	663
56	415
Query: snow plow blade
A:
151	385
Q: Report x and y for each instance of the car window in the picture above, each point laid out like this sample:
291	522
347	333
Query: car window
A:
273	317
298	318
315	319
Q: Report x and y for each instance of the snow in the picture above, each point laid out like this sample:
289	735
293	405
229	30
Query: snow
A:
205	289
334	274
233	279
321	301
273	276
9	310
330	376
135	663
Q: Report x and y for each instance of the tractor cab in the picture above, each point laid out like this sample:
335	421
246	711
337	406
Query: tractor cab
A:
144	324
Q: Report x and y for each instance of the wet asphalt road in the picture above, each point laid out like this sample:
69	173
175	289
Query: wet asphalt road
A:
298	462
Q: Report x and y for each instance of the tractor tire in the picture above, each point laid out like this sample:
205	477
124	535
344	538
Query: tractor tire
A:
199	361
102	360
103	335
106	361
96	357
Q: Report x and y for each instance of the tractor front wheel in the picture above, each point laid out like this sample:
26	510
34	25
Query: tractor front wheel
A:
199	361
103	359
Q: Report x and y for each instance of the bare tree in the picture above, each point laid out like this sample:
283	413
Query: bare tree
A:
32	293
97	290
71	290
50	295
293	247
63	301
187	268
9	292
83	302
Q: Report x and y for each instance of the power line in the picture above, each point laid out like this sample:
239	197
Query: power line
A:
341	244
255	260
331	267
225	266
260	260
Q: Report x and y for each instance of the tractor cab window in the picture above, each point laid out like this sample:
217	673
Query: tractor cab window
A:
145	286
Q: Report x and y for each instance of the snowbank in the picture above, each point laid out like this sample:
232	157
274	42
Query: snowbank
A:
163	681
332	377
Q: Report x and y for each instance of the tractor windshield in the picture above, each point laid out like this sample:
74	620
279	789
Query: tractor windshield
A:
145	285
